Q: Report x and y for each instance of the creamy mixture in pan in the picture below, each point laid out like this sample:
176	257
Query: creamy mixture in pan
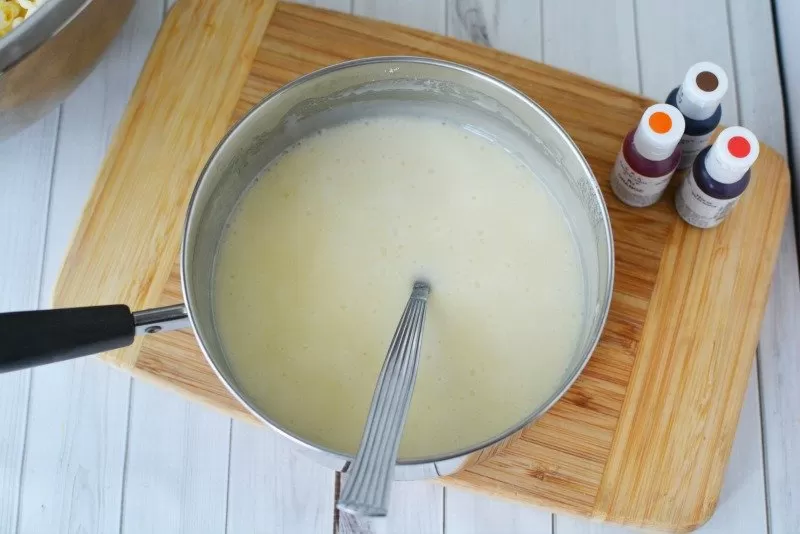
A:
320	257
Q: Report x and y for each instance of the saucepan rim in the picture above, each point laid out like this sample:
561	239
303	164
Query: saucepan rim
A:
230	140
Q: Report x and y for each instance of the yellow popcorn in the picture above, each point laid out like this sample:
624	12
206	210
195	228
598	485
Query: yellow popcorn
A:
13	12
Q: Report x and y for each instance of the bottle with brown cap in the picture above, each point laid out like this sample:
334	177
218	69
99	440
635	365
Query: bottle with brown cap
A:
698	99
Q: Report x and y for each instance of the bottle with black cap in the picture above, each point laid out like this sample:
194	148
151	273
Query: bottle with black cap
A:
719	176
698	99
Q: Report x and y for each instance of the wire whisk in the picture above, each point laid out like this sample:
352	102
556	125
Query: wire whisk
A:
366	490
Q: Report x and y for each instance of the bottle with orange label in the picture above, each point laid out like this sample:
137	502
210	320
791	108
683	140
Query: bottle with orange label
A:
649	156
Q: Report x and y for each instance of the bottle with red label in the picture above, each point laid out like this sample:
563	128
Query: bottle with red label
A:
649	156
719	176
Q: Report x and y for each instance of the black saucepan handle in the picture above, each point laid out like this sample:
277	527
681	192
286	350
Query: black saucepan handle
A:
33	338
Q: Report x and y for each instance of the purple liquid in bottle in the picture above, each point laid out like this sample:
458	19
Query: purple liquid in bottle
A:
648	157
712	187
645	166
720	175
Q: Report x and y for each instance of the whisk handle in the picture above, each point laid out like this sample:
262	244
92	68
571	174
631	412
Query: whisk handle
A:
367	488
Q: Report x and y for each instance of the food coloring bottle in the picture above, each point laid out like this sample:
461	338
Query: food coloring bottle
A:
649	155
698	99
718	178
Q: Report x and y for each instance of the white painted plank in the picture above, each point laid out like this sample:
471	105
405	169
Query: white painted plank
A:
663	61
413	492
423	14
787	13
79	410
567	524
95	505
415	508
514	26
272	488
14	403
672	36
742	503
779	350
72	479
471	513
741	507
275	489
510	25
336	5
761	110
756	72
174	477
89	119
779	367
25	178
176	472
595	39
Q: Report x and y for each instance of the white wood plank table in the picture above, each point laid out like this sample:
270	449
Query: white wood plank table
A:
84	448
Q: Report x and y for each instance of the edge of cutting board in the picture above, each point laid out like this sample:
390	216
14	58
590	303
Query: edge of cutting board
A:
709	398
126	240
177	115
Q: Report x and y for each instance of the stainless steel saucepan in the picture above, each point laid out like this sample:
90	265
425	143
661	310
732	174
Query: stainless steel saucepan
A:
356	89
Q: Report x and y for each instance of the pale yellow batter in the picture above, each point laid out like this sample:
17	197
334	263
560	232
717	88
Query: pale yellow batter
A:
319	261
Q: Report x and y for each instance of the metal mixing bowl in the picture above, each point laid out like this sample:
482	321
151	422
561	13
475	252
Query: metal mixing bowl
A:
48	55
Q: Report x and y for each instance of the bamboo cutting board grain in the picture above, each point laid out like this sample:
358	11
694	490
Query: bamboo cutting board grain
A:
644	434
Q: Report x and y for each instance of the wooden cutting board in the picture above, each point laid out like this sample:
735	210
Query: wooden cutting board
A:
644	434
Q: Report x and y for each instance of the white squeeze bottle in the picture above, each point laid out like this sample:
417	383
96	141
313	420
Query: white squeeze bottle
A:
648	157
698	99
719	176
